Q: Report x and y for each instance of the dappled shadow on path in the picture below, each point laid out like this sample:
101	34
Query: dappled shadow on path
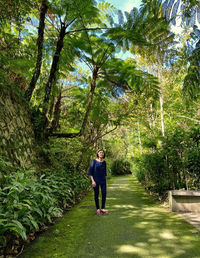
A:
144	228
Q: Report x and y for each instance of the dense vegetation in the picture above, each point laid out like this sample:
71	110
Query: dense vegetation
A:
62	58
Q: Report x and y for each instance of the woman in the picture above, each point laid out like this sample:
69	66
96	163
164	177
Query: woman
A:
97	173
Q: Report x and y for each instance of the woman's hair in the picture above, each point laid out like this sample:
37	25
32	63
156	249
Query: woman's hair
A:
99	151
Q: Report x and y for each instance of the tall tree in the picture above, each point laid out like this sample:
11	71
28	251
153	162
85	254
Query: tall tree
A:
114	76
40	40
71	15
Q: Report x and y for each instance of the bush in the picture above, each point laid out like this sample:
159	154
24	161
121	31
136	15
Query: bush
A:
173	163
120	167
28	202
138	169
151	171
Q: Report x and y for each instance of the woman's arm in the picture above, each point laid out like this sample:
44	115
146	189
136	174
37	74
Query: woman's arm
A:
93	182
90	173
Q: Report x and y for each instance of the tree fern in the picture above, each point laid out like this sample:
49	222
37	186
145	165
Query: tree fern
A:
189	11
192	79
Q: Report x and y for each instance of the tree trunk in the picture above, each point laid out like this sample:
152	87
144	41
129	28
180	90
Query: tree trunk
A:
40	40
52	77
90	131
89	104
153	117
56	115
83	150
51	109
98	142
139	138
161	113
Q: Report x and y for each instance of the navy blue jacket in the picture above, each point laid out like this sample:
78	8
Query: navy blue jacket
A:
98	171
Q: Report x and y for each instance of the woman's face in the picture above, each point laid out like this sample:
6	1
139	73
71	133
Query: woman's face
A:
101	154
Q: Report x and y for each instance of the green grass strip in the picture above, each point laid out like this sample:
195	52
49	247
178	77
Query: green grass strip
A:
136	227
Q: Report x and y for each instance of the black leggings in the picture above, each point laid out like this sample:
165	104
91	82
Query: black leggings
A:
103	194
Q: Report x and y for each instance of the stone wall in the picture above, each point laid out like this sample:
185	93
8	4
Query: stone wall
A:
184	201
16	131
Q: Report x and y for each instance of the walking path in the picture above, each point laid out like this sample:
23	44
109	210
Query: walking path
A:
192	217
135	227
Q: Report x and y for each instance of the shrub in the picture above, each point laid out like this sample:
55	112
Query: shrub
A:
28	202
173	163
120	167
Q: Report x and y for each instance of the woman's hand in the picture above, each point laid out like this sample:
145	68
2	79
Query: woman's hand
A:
93	184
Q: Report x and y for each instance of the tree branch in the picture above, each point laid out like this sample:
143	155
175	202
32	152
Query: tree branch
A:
86	29
90	67
70	22
100	136
74	135
198	121
65	135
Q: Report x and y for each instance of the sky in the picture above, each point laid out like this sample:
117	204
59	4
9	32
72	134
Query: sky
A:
125	5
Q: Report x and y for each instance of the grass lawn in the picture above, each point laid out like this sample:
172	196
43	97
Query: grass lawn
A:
136	227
